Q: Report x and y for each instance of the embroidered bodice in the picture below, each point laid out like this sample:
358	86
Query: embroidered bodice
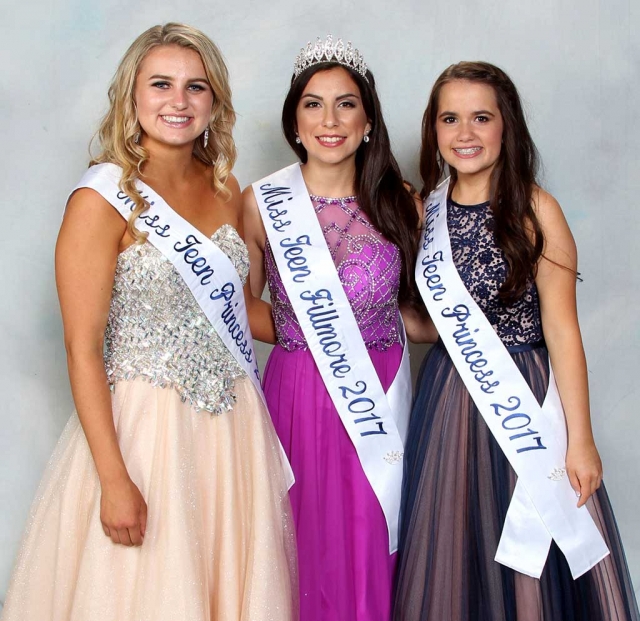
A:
482	267
369	269
157	330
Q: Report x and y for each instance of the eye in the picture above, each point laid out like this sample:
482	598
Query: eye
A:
482	119
197	88
160	84
448	119
312	104
347	104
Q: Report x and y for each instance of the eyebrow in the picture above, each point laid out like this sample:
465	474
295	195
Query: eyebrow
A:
475	113
345	96
157	76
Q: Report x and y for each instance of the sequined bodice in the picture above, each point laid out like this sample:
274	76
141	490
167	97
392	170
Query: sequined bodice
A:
369	269
482	267
157	330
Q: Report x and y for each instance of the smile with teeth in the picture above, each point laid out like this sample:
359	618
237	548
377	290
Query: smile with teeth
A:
178	120
330	140
468	150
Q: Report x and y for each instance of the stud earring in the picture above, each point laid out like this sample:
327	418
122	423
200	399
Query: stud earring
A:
206	137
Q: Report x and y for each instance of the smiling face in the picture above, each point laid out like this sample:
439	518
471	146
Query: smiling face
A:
173	96
330	118
469	127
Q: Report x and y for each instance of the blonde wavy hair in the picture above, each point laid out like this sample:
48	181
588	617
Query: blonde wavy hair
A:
120	126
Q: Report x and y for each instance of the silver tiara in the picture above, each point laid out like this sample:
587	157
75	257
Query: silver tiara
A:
330	52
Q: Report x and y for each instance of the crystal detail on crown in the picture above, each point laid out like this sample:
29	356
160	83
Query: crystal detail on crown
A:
330	52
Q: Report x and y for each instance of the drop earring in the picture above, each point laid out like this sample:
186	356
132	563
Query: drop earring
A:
136	137
298	141
366	138
206	137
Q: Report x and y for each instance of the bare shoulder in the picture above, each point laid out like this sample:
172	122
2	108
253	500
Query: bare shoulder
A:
545	206
234	187
87	207
559	245
249	198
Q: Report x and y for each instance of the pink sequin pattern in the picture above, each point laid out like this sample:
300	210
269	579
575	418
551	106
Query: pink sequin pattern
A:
369	269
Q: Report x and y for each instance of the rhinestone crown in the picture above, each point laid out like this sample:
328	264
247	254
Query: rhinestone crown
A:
329	51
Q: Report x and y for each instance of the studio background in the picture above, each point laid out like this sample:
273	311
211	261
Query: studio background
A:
577	66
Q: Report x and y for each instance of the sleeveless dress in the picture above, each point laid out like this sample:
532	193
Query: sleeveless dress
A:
345	568
458	483
199	444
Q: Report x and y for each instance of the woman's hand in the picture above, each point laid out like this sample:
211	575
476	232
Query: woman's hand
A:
584	469
123	512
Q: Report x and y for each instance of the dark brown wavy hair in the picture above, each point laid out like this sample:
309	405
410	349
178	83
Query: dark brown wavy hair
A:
382	194
518	232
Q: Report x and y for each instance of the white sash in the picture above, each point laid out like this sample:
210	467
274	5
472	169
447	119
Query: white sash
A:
375	422
206	270
533	438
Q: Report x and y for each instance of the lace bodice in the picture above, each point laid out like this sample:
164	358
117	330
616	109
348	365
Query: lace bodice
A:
157	330
482	267
369	269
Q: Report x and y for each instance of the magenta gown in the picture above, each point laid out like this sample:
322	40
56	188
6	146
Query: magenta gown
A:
345	569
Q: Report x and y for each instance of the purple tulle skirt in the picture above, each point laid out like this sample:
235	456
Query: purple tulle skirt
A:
456	493
345	570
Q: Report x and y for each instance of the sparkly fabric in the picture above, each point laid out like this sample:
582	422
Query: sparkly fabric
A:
220	541
157	330
483	269
369	269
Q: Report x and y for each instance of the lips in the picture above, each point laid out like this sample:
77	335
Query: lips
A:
467	151
176	121
331	141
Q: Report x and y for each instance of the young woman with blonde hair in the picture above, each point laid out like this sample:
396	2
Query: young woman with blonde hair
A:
166	497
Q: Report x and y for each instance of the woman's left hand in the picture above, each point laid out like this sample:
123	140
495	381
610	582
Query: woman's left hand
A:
584	469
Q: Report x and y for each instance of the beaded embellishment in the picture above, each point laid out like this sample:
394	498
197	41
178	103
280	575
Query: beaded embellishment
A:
157	330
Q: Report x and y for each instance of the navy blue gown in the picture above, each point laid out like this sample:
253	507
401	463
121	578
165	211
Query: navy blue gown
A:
458	483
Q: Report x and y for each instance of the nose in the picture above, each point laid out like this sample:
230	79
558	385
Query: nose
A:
330	119
179	100
465	131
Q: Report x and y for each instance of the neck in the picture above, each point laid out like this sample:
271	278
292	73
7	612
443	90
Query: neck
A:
332	180
169	164
471	189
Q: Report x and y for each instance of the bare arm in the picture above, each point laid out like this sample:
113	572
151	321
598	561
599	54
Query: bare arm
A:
255	239
259	311
556	282
418	324
86	255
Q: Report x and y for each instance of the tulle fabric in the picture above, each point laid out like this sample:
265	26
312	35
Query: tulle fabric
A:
346	571
219	545
456	494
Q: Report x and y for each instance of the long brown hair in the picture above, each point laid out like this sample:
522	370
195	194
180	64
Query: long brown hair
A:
382	195
120	126
517	230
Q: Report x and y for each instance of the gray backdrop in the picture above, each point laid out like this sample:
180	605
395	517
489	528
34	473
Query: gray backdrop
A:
577	67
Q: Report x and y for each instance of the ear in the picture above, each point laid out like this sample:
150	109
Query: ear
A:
367	128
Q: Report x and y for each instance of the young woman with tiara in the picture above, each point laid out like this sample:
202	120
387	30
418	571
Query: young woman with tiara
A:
166	497
504	517
334	237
